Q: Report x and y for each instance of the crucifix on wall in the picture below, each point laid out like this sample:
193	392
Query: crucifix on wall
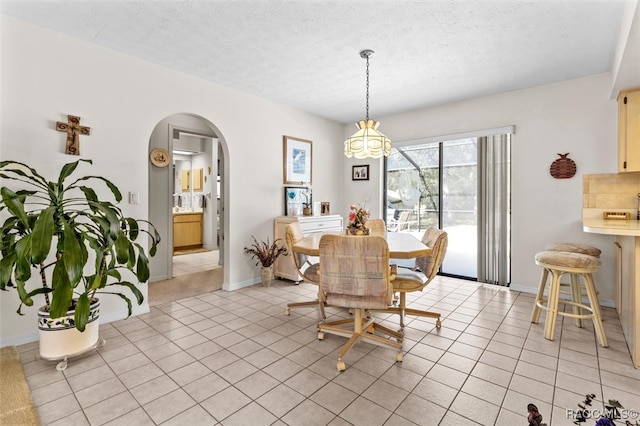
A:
73	130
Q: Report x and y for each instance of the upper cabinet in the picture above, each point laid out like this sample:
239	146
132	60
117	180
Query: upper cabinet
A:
197	179
629	130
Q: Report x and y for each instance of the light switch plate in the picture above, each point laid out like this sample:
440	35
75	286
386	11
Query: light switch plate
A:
134	197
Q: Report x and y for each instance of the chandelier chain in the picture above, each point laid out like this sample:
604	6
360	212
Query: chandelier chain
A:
367	87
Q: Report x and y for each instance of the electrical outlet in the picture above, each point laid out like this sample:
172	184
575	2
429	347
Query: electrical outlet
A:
134	197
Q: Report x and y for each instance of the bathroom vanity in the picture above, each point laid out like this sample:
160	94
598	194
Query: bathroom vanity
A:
187	230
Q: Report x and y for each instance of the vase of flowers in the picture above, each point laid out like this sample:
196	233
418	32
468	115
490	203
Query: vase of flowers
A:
358	217
266	254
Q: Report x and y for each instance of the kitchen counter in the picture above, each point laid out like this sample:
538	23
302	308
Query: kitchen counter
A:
611	226
175	213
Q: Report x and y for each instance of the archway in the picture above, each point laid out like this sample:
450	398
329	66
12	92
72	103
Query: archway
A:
186	131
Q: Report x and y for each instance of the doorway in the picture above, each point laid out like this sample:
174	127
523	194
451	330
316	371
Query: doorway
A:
189	192
195	206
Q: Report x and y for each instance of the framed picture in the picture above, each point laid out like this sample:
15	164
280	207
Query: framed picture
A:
297	160
295	199
360	172
324	208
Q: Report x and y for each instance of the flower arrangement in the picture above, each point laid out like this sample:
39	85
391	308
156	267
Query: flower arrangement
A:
306	193
358	217
266	253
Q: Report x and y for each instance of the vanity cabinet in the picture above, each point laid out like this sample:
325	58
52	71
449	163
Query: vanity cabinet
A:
284	266
629	130
187	230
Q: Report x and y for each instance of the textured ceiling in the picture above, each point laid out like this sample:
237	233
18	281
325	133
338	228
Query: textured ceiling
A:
306	53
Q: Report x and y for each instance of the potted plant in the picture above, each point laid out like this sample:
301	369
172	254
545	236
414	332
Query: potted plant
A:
266	254
306	204
78	244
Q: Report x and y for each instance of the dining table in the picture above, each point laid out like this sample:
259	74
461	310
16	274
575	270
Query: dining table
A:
402	245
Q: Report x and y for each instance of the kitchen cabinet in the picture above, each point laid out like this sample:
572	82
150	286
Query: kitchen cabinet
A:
627	288
284	266
629	130
187	230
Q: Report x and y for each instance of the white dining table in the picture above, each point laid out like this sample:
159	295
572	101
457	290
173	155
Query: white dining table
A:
401	245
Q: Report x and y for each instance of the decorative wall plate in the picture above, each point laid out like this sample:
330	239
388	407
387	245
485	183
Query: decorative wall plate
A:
563	167
160	157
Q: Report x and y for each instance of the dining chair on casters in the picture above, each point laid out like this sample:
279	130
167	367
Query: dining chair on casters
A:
377	226
411	280
307	270
355	274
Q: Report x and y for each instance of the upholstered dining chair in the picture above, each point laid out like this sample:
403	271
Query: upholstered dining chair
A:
377	226
355	274
410	280
307	270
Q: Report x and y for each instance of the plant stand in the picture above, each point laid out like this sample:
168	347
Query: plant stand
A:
62	361
60	340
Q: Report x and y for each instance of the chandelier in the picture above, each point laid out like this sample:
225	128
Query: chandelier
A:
367	142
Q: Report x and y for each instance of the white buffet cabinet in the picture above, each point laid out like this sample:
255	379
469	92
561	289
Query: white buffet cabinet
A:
284	266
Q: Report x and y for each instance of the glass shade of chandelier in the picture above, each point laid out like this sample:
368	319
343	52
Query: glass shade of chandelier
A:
367	142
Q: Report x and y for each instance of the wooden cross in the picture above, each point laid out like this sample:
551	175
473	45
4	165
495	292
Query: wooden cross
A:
73	130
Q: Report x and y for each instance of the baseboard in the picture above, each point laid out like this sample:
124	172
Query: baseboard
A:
242	284
607	303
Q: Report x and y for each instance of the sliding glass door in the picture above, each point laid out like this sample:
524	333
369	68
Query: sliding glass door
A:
459	207
437	184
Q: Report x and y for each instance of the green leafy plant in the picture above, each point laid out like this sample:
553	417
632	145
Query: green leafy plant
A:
266	253
62	230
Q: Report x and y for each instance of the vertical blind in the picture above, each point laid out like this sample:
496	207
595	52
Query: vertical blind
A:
494	209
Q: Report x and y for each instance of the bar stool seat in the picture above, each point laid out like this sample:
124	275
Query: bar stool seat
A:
581	268
574	248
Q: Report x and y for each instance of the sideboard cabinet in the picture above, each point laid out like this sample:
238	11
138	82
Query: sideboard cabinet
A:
284	266
629	130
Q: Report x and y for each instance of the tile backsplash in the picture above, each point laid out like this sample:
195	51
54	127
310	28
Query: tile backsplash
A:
610	191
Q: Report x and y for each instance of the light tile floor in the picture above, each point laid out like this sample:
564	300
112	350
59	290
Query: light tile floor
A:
195	262
233	358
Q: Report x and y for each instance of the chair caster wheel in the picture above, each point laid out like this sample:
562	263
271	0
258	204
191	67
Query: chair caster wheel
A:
287	312
62	365
438	323
341	366
399	357
320	335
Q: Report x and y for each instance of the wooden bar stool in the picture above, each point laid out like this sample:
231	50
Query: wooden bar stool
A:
574	286
581	268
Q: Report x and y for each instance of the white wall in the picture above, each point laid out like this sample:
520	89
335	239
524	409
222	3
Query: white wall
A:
47	75
575	116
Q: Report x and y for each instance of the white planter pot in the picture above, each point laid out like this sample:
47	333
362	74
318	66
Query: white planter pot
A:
266	273
59	338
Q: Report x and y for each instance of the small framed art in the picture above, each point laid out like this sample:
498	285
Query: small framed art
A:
360	172
296	198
